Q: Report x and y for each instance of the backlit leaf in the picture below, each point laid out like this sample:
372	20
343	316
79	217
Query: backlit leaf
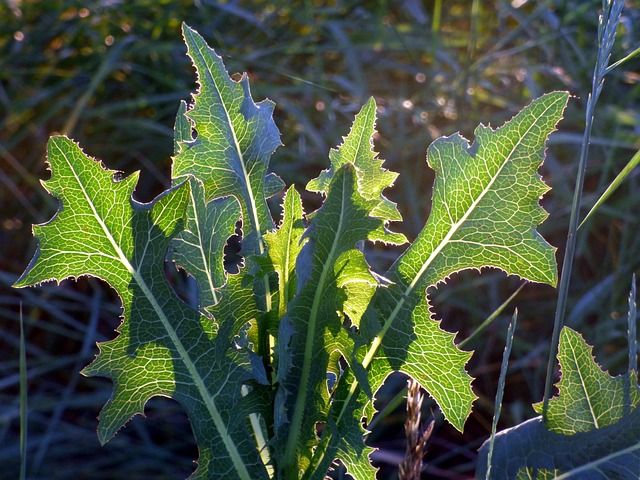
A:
592	430
283	247
311	331
235	140
588	397
199	249
372	177
484	213
163	346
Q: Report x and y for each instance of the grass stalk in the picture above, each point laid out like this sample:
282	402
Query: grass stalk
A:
489	320
632	333
501	382
607	26
23	401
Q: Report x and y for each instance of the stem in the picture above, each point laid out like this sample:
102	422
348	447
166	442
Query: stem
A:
491	317
23	401
258	433
606	37
501	382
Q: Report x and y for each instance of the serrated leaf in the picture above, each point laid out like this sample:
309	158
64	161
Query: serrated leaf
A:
312	331
356	282
347	432
163	347
238	303
199	249
235	140
484	213
283	248
592	429
357	149
588	398
273	185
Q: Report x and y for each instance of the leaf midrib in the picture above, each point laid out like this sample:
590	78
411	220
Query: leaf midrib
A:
199	382
284	280
578	369
298	411
247	181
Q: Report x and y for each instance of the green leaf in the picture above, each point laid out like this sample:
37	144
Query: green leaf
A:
347	431
357	284
588	397
284	246
199	249
484	213
164	347
530	450
372	177
592	429
311	331
235	140
238	303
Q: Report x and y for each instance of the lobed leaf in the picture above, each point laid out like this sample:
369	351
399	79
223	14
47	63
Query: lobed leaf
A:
235	140
163	347
484	213
357	149
311	332
592	429
199	248
284	246
588	397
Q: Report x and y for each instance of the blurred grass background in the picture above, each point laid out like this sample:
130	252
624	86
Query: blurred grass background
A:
110	74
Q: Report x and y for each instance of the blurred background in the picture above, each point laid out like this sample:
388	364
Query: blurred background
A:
110	74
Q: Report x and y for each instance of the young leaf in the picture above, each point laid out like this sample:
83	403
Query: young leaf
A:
235	140
311	331
373	178
588	397
284	246
163	347
199	249
592	428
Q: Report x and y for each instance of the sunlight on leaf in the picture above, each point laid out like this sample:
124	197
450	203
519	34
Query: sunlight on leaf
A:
588	397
